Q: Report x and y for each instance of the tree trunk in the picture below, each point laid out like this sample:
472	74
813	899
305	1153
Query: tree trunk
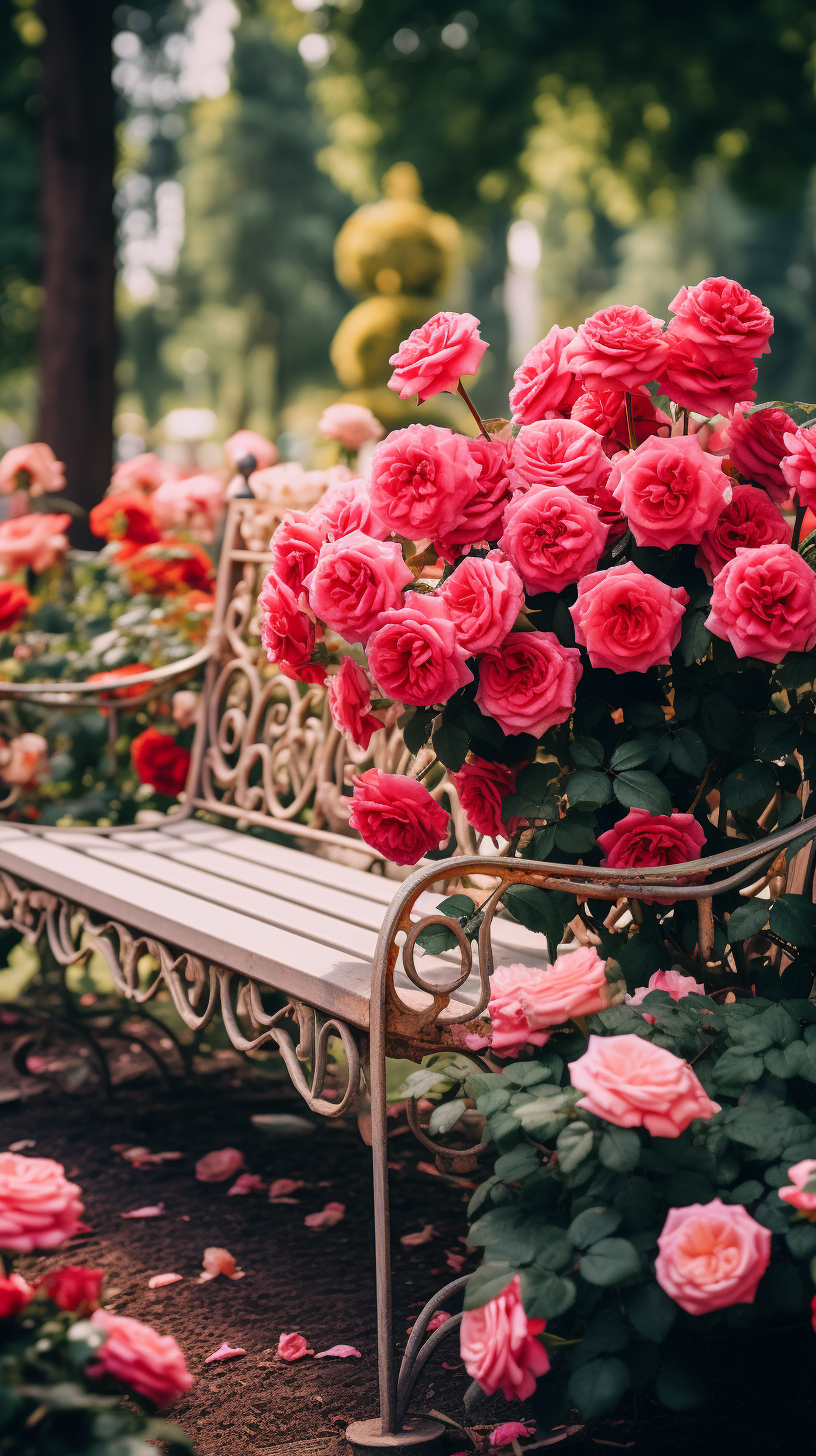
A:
77	336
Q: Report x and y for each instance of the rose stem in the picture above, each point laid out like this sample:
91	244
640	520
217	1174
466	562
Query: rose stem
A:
797	525
630	421
685	421
477	417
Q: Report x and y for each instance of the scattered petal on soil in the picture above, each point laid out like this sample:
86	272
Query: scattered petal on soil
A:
282	1187
412	1241
428	1168
328	1216
341	1352
150	1210
21	1146
293	1347
438	1320
160	1280
219	1261
246	1183
454	1261
510	1431
224	1352
218	1166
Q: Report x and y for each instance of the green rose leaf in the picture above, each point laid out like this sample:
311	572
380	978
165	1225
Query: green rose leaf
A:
598	1386
619	1149
593	1224
749	784
586	752
574	1144
689	753
639	789
487	1281
748	920
589	788
695	638
545	1295
444	1117
793	917
632	754
451	745
776	736
610	1261
651	1311
417	730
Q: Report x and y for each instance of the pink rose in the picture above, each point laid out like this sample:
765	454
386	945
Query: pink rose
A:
499	1347
38	541
670	491
712	1255
481	786
151	1364
575	985
352	424
510	1431
560	452
696	381
416	655
217	1167
756	447
544	381
626	619
142	472
15	1294
295	548
192	504
249	442
606	415
479	518
723	318
750	519
39	1208
184	707
642	840
397	816
798	466
552	537
633	1083
421	480
346	507
800	1193
764	603
528	684
349	694
34	468
507	1008
293	1347
287	634
434	358
24	760
618	348
677	986
483	597
357	579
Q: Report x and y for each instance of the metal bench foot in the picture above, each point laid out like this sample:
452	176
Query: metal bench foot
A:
421	1436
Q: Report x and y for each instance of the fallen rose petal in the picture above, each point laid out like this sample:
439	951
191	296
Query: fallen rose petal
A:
428	1168
284	1200
160	1280
219	1261
341	1352
438	1320
412	1241
218	1166
224	1352
446	1366
283	1186
454	1261
150	1210
21	1146
246	1183
510	1431
328	1216
293	1347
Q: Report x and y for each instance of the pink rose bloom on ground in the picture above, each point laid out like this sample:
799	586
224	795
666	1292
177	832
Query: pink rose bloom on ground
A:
416	655
723	318
151	1364
528	684
34	468
249	442
575	985
397	816
483	597
36	540
552	537
434	358
544	382
798	465
217	1167
797	1193
606	415
357	579
642	840
295	548
293	1347
764	603
143	472
670	491
712	1255
510	1431
346	507
756	447
499	1347
511	1029
618	348
633	1083
39	1208
749	519
352	424
193	504
626	619
349	694
24	760
287	634
421	479
481	786
479	519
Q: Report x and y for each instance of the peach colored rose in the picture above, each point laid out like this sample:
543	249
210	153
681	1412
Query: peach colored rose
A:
552	537
220	1165
184	707
195	504
710	385
142	472
249	442
349	694
575	985
499	1347
641	840
507	1009
295	548
14	1294
618	348
34	468
712	1255
416	655
560	452
756	446
626	619
36	540
528	684
355	582
287	634
479	519
764	603
544	383
670	491
750	519
346	507
676	985
421	480
397	816
24	760
352	424
633	1083
39	1208
798	465
723	318
606	415
483	596
434	358
134	1353
481	786
800	1193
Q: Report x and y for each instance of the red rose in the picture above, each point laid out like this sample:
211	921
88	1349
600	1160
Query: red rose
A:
14	1294
14	603
483	596
397	816
606	415
434	358
644	840
545	384
125	516
618	348
72	1288
481	786
169	566
750	519
756	446
113	675
151	1364
160	761
349	695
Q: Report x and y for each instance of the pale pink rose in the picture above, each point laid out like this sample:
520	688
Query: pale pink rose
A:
479	520
151	1364
510	1026
218	1261
709	385
798	465
483	596
346	507
510	1431
560	452
184	707
434	358
328	1216
23	760
723	318
626	619
39	1208
421	480
249	442
670	491
287	634
224	1352
340	1352
712	1255
349	695
750	519
633	1083
618	348
217	1167
756	447
293	1347
416	655
289	487
642	840
764	603
553	537
673	982
352	424
162	1281
528	684
142	472
797	1193
397	816
575	985
606	415
356	581
193	504
281	1187
499	1347
246	1183
481	786
35	540
544	382
295	548
34	468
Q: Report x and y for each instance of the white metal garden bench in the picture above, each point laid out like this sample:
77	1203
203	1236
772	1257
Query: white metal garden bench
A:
227	914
